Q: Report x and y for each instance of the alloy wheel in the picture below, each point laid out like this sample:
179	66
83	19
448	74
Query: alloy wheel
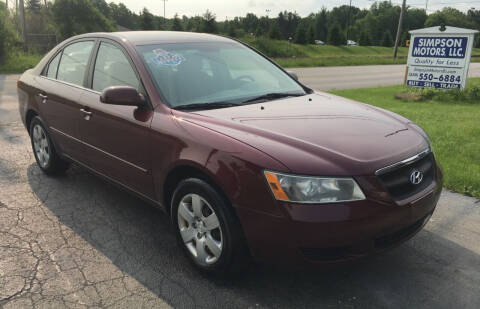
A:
41	145
200	229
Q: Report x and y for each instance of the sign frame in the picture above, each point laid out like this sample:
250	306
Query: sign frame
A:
455	69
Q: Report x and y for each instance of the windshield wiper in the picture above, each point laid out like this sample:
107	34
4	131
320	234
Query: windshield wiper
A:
273	96
212	105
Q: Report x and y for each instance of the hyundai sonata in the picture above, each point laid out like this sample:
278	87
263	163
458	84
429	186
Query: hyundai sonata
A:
245	159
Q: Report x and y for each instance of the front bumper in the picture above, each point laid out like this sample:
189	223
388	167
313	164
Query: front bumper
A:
332	233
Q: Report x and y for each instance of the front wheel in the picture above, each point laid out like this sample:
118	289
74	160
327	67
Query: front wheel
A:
207	229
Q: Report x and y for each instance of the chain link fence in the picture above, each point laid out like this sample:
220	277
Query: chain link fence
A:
40	43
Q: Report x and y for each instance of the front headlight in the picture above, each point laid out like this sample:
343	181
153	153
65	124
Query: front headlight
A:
318	190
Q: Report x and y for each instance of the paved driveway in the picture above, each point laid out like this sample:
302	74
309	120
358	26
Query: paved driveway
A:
78	242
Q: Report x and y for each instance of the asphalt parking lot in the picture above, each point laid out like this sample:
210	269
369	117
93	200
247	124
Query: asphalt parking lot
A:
78	242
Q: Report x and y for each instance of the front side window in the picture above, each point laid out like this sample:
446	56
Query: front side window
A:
212	72
74	61
53	66
112	68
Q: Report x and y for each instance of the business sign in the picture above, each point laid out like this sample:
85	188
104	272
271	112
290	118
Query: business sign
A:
439	59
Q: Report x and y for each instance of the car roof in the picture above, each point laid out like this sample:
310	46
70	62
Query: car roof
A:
157	37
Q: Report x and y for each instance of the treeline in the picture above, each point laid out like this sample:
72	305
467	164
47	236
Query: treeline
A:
374	26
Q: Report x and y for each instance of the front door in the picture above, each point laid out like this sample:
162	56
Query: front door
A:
117	138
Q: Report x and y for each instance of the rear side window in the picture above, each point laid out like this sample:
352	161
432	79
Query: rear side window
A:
74	61
53	66
112	68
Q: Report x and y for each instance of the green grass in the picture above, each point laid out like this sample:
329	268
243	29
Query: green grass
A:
19	63
284	53
340	61
454	129
294	55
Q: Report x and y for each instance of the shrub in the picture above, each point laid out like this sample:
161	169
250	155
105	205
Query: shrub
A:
9	39
19	62
470	95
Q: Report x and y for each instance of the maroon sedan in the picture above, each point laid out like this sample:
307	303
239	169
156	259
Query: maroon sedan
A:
245	159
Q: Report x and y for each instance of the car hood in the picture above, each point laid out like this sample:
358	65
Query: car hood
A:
319	133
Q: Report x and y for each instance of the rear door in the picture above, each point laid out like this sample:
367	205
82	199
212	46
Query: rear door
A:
60	87
117	137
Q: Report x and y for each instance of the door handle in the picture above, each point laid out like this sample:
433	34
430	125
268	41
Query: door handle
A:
86	112
43	97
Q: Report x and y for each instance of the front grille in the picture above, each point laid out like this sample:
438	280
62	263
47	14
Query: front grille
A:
397	181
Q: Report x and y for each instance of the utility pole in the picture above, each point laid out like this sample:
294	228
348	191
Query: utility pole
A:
22	21
164	15
348	20
399	30
426	5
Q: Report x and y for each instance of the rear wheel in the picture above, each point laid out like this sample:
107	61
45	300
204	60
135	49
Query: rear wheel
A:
207	229
44	151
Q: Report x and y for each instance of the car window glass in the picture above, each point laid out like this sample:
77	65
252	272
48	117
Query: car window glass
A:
73	63
189	73
53	66
112	68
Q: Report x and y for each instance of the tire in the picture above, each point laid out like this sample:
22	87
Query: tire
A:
44	151
224	248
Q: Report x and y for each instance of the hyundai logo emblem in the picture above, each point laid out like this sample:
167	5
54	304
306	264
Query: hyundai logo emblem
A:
416	177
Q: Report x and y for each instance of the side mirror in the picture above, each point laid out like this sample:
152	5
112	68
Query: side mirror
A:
293	74
122	95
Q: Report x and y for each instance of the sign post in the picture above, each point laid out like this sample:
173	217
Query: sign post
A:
439	59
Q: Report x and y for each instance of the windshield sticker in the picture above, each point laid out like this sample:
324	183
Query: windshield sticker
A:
163	57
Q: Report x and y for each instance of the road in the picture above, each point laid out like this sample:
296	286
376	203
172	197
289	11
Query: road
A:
78	242
352	77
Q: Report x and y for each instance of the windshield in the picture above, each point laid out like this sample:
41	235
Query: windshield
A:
213	72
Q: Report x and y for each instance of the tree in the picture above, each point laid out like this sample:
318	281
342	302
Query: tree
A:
311	35
288	23
74	17
336	36
301	35
387	40
250	23
474	17
34	6
103	7
8	35
364	39
123	16
274	32
449	17
209	23
321	28
177	23
381	17
146	20
231	32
